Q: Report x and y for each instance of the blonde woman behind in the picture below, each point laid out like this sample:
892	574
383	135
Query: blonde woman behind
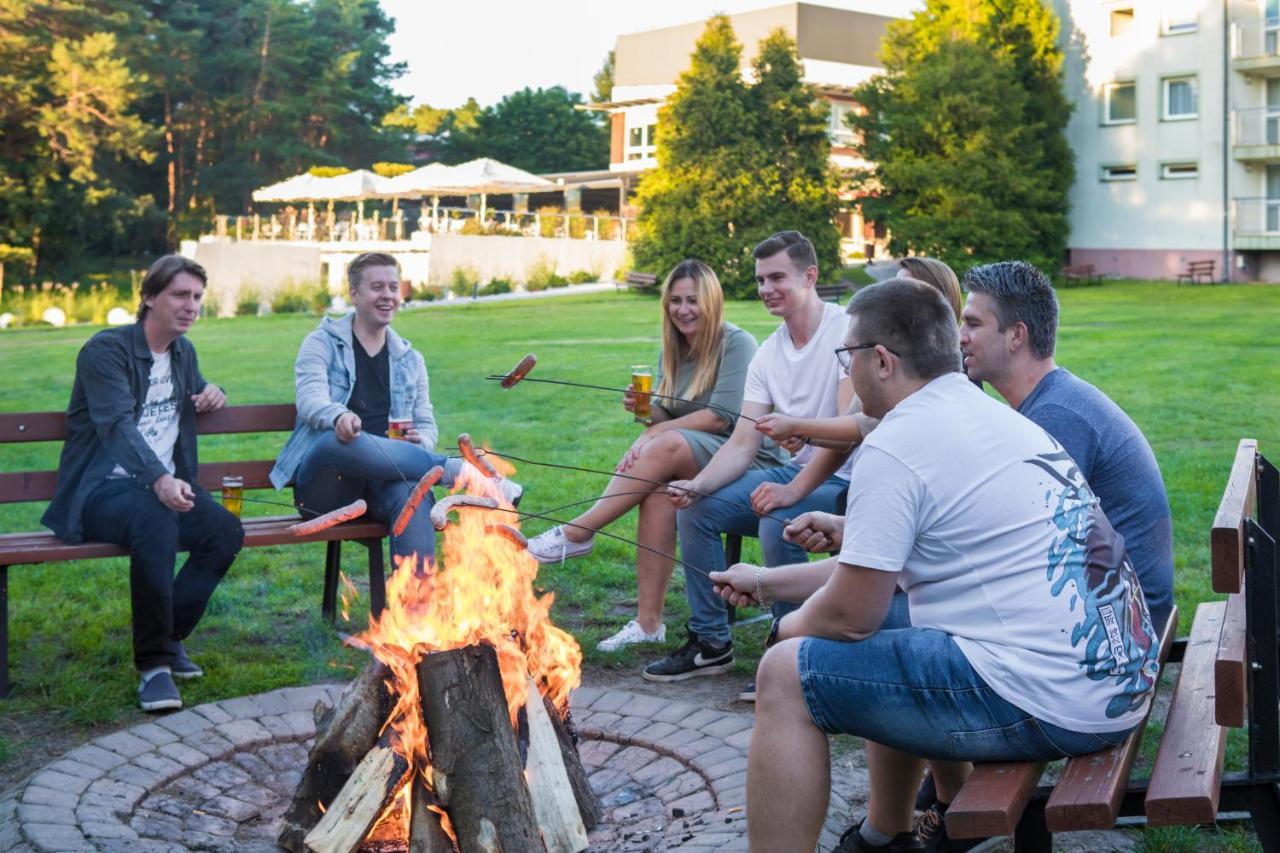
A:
704	360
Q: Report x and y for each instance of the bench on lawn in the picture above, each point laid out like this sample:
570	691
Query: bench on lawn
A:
1228	678
1197	271
834	292
17	549
641	282
1084	273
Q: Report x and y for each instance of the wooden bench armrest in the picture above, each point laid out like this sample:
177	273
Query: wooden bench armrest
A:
1239	498
1230	667
1186	778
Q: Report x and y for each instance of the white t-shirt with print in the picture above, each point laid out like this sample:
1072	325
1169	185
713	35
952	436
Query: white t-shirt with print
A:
158	421
1001	544
801	382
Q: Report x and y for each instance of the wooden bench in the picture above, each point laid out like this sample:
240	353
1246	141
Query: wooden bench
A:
1197	271
18	549
1229	677
834	292
1082	274
641	282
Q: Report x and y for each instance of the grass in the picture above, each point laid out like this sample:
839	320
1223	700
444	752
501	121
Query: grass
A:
1196	367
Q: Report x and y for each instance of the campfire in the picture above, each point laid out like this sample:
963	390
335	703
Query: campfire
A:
457	736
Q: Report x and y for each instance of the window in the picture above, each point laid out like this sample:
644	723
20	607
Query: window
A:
1179	171
640	142
1120	103
1121	22
1124	172
1179	23
1181	99
838	130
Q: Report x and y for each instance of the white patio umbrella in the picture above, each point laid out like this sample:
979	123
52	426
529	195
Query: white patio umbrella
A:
486	176
353	186
418	182
297	188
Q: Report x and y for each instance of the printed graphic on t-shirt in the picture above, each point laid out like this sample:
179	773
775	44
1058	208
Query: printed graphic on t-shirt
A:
1088	557
158	418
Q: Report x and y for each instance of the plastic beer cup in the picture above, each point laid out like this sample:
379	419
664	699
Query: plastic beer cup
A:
398	427
233	494
641	386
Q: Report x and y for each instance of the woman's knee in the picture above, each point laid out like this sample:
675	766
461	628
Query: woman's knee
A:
667	448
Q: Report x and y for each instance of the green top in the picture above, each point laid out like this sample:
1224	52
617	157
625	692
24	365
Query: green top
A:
725	396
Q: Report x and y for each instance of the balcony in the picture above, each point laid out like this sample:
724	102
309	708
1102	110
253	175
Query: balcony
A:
1256	224
1255	47
1255	135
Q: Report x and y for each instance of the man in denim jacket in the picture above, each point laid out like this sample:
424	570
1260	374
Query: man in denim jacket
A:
353	375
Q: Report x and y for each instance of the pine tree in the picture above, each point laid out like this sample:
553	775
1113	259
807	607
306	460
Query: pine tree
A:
966	128
737	162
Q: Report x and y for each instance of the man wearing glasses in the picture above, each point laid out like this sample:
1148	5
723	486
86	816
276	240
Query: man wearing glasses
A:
793	372
1028	638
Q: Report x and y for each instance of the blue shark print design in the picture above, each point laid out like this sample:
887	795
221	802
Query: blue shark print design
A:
1089	555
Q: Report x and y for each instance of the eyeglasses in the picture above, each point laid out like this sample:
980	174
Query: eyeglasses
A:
844	355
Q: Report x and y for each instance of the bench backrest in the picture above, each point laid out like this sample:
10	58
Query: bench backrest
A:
21	486
1200	266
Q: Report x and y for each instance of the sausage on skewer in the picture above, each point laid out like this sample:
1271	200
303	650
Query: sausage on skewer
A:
520	371
329	519
419	492
440	512
509	533
468	451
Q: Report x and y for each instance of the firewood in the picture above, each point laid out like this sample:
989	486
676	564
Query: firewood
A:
553	800
475	763
360	802
588	804
343	736
426	835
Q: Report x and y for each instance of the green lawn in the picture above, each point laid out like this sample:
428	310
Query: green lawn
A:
1196	367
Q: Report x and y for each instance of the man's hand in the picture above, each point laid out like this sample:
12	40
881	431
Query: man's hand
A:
682	493
816	532
776	426
174	493
629	398
770	496
737	584
412	435
210	399
347	426
794	444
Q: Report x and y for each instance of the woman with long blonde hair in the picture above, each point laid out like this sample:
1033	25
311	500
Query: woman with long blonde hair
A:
704	364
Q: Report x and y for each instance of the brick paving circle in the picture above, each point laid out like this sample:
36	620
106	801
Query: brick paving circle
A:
218	777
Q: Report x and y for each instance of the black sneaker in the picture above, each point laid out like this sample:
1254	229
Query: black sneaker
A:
931	826
853	842
748	693
159	693
695	657
183	666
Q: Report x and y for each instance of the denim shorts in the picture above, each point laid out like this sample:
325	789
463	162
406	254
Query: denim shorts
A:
912	689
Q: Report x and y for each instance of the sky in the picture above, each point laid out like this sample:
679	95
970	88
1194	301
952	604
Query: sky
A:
486	49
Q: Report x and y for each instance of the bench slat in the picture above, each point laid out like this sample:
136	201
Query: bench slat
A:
1238	500
22	486
1230	673
992	799
1089	791
32	426
1185	781
52	426
31	548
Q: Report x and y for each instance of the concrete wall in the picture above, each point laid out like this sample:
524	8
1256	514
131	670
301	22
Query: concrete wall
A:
265	267
516	257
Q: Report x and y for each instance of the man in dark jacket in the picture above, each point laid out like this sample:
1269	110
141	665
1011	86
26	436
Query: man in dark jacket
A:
128	472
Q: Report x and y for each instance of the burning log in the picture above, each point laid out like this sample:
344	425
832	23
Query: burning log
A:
588	805
360	802
440	512
344	736
475	762
426	832
554	804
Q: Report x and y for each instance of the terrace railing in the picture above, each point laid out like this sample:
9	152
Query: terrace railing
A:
1256	217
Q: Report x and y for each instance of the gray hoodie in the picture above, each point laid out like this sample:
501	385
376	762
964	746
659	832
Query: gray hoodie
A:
324	375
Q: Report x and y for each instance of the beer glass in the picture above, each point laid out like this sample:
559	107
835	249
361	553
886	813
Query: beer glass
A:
233	494
398	427
641	386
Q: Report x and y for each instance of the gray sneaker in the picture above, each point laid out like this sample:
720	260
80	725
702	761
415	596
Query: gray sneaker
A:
159	693
183	666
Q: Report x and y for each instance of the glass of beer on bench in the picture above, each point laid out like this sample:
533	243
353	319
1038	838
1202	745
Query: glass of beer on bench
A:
233	494
641	385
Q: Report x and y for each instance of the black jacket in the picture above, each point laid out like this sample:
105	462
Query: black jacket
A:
112	372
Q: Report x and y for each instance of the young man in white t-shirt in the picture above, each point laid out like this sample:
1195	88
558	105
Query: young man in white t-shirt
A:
794	372
1028	639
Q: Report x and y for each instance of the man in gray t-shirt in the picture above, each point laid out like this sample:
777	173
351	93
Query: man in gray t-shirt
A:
1008	337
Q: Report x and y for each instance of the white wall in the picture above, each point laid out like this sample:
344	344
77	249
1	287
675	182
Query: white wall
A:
264	267
515	258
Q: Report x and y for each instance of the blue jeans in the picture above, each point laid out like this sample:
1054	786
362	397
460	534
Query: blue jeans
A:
729	511
335	473
912	689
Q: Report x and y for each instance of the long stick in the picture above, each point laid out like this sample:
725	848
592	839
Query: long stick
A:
730	412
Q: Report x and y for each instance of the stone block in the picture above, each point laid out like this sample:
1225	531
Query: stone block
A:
210	824
115	830
154	734
130	746
583	697
612	700
56	838
230	808
96	756
729	724
222	775
212	712
659	772
183	754
726	768
153	824
301	723
245	734
305	698
242	708
140	776
67	767
94	814
624	727
702	717
740	740
653	733
116	789
631	759
274	703
674	712
60	781
29	813
184	723
715	756
210	743
37	796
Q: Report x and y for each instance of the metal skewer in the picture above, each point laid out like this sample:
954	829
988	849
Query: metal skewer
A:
729	412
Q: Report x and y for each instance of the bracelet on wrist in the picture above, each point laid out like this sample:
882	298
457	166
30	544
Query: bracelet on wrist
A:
760	596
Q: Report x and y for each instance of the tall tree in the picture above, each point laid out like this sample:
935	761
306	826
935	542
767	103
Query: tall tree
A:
604	80
535	129
966	128
737	162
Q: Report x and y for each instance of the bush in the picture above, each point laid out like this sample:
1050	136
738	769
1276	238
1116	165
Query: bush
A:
535	286
577	226
544	275
606	224
390	170
582	277
550	220
430	292
496	286
464	281
247	302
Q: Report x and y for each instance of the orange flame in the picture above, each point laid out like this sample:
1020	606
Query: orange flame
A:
482	593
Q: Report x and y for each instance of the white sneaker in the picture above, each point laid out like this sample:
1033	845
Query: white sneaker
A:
553	547
509	490
631	634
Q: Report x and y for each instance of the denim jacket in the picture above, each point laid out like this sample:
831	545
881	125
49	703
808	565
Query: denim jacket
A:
324	375
112	374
